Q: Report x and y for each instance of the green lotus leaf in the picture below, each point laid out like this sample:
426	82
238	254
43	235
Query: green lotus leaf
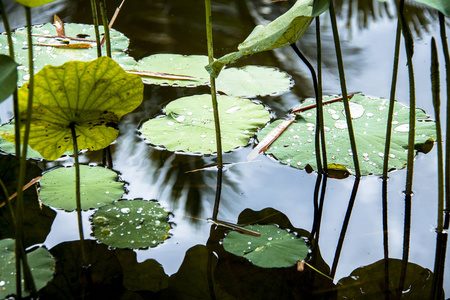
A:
44	54
189	124
91	96
131	224
275	248
368	282
8	76
33	3
251	81
9	147
168	67
283	31
295	146
442	5
99	186
41	263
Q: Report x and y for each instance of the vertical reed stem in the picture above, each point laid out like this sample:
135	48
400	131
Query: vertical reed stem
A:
97	32
104	14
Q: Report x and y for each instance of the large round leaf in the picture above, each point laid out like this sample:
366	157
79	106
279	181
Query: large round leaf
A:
9	147
189	124
275	248
131	224
41	263
99	186
295	146
8	76
45	54
91	96
251	81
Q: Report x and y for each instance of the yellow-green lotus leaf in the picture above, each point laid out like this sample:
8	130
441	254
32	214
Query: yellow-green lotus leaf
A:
91	96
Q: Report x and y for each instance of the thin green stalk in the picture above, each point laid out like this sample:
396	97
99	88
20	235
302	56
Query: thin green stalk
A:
337	46
104	14
78	193
8	202
209	37
97	32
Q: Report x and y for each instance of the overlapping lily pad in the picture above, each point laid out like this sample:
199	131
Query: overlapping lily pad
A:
189	124
131	224
295	146
41	263
8	76
99	186
275	248
9	147
46	54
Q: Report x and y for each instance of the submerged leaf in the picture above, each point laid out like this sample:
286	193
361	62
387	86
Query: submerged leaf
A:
91	96
295	146
99	186
131	224
189	124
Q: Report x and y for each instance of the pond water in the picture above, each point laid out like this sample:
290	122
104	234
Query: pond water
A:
177	26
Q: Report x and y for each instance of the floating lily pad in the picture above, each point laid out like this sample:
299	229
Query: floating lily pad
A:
251	81
9	147
131	224
275	248
99	186
295	146
8	76
171	66
91	96
189	124
44	54
41	263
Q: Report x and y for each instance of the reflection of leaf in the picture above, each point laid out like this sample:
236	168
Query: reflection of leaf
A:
189	124
295	146
283	31
41	263
99	186
368	282
251	81
275	248
92	96
131	224
8	76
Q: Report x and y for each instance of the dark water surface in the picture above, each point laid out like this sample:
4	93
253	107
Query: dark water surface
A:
177	26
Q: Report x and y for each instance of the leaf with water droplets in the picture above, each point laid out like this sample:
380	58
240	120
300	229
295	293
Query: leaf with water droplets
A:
295	146
41	263
99	186
131	224
189	124
275	248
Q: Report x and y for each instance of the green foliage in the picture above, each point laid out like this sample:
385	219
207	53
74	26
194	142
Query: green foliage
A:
33	3
41	263
131	224
8	76
189	124
99	186
295	146
442	5
93	96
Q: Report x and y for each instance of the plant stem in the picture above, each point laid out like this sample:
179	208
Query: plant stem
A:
78	193
337	46
97	32
104	14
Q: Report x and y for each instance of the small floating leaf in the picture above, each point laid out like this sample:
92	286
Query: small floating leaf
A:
41	263
295	146
189	124
131	224
275	248
99	186
8	76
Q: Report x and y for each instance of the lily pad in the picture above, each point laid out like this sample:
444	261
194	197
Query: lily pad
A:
46	54
171	66
9	147
189	124
275	248
131	224
99	186
251	81
91	96
41	263
295	146
8	76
